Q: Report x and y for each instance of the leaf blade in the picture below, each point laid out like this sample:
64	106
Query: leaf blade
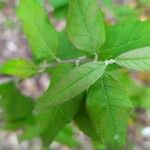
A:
85	26
84	123
16	107
40	33
72	84
138	59
109	111
18	67
55	118
124	37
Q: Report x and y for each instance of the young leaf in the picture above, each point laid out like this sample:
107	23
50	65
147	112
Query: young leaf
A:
138	59
124	37
71	85
40	33
18	67
108	107
85	27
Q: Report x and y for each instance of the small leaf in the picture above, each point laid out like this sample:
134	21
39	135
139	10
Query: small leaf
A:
40	33
125	37
138	59
85	25
71	85
108	107
18	67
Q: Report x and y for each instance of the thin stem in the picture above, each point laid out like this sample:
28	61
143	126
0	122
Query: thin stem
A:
82	59
68	61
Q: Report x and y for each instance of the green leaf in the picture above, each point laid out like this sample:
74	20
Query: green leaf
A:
85	124
16	107
56	118
50	122
125	37
61	13
58	3
85	27
66	49
58	72
139	94
40	33
60	8
138	59
66	136
108	107
71	85
18	67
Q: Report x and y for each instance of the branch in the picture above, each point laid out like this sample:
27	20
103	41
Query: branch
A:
82	59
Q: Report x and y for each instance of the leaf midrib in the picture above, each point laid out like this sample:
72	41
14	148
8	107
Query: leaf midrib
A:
132	59
58	93
84	22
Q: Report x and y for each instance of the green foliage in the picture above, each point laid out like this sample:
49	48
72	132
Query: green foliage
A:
41	35
66	48
17	108
65	134
138	59
55	119
139	94
125	37
61	12
85	124
71	85
58	3
85	25
145	2
82	88
122	12
2	5
19	67
108	107
60	8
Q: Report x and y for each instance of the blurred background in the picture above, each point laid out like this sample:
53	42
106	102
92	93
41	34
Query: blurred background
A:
13	44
